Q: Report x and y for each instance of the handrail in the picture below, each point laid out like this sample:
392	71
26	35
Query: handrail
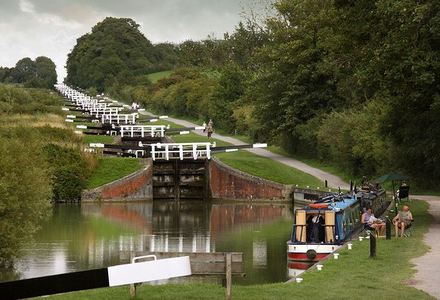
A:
180	150
143	130
134	259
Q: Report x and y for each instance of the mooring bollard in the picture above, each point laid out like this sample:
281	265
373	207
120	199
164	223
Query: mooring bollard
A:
372	245
388	229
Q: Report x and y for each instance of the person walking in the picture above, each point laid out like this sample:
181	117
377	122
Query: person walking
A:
210	128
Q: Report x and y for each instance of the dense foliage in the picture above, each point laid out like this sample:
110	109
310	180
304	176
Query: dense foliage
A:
350	82
40	163
375	62
25	189
40	73
115	53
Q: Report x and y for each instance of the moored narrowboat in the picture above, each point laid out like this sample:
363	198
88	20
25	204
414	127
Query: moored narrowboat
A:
322	227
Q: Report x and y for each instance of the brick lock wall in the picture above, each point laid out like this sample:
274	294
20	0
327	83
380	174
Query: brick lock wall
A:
136	186
229	183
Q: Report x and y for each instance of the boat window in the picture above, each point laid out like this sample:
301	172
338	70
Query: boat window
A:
301	233
330	226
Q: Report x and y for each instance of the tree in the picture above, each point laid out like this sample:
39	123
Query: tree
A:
40	73
26	191
45	71
292	84
24	70
229	90
114	52
5	74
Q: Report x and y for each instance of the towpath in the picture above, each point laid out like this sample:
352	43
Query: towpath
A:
428	266
333	180
427	277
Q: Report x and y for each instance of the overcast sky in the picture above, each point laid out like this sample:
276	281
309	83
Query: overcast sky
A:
31	28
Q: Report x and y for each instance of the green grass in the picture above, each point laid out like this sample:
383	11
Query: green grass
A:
112	168
195	138
353	276
242	137
256	165
316	163
105	139
269	169
154	77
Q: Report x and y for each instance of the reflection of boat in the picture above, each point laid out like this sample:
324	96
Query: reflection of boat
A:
322	227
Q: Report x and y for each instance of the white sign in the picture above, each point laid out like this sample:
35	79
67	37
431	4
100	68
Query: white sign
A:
149	271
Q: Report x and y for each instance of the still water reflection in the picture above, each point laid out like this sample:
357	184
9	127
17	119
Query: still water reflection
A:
80	237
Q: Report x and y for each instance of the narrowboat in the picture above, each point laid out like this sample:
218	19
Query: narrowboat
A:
322	227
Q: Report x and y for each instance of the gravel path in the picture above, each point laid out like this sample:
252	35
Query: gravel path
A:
333	180
427	277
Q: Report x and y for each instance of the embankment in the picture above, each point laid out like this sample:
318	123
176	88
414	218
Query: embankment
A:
229	183
133	187
223	182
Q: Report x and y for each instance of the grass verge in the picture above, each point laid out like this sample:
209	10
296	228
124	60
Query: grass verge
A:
105	139
112	168
268	169
353	276
256	165
316	163
155	77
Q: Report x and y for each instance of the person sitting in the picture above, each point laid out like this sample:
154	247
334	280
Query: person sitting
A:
403	220
371	222
403	192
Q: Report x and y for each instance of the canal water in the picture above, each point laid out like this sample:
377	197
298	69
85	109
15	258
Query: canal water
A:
87	236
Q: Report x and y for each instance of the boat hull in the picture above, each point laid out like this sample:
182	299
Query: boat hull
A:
309	253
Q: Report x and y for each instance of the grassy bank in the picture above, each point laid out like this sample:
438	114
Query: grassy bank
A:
105	139
316	163
256	165
155	77
268	169
112	168
353	276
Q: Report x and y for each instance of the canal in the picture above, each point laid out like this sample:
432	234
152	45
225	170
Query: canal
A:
86	236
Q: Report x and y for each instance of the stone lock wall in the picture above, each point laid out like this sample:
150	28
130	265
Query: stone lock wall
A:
228	183
136	186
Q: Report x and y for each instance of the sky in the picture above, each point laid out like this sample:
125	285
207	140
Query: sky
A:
32	28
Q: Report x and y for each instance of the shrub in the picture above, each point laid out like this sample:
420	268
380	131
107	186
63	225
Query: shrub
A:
69	172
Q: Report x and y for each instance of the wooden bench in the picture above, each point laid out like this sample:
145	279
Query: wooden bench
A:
226	264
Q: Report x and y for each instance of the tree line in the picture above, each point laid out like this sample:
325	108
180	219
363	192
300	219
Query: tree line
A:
354	83
38	73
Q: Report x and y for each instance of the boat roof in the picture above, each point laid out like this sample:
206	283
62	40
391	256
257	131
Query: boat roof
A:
345	203
336	203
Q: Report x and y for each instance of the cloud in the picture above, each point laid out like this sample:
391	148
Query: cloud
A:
32	28
26	6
